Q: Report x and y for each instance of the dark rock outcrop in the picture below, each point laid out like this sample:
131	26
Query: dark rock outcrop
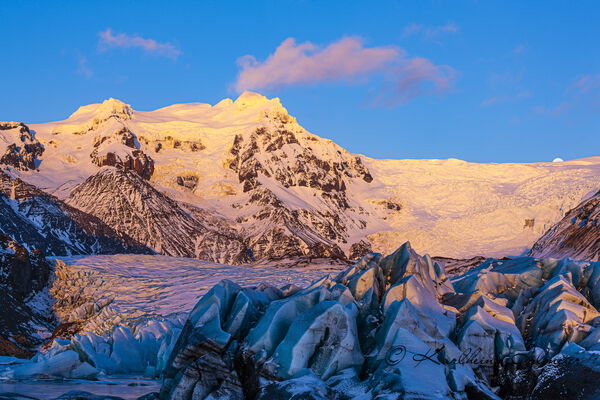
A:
570	376
135	159
24	150
281	153
577	235
22	270
40	221
305	169
22	274
359	249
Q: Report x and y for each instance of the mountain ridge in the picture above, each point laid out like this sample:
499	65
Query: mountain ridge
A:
282	190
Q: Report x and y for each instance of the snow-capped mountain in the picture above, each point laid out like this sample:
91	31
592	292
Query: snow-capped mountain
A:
122	199
577	235
40	221
245	178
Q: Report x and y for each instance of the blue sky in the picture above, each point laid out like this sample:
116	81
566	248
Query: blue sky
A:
497	81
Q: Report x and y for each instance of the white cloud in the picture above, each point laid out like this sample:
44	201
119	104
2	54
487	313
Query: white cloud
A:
109	40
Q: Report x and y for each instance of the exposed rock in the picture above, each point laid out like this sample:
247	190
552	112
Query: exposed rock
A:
129	204
285	233
134	159
188	182
24	271
40	221
22	149
23	274
137	161
359	249
306	168
13	349
171	143
281	153
455	266
573	375
577	235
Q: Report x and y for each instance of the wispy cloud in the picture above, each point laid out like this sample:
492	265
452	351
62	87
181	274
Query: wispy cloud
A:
416	77
582	95
585	84
109	40
83	67
430	33
505	99
346	60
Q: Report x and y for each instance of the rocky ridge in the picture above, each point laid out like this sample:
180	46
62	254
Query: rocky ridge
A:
20	149
38	220
127	203
577	235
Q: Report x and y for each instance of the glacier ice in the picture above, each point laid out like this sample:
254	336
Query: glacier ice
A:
385	327
398	326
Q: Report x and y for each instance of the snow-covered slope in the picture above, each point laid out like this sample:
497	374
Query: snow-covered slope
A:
125	201
577	235
458	209
247	170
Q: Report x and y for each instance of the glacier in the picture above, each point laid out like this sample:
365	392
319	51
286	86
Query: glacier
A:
385	327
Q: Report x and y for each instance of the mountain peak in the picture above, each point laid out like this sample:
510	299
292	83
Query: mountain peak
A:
252	99
104	110
114	107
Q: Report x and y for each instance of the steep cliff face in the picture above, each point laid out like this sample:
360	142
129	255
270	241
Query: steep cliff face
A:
127	203
18	147
278	154
23	276
279	157
40	221
121	149
577	235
